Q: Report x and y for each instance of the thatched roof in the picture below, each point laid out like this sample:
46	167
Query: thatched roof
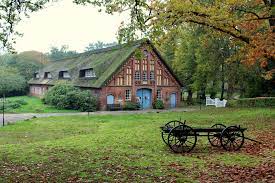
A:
105	62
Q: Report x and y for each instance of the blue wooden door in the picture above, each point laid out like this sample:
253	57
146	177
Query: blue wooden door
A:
173	100
145	98
110	99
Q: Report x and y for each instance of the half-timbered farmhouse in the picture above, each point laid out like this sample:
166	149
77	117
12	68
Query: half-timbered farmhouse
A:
130	72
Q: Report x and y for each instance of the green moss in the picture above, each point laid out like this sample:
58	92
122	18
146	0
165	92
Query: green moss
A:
105	63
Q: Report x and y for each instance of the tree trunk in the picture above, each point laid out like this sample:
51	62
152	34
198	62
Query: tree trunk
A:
189	97
213	92
182	96
222	78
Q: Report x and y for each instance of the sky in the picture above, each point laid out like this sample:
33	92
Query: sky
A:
65	23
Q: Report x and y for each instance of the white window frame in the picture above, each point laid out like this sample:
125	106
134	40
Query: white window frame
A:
48	75
137	75
144	76
159	94
152	75
127	95
66	75
36	75
89	73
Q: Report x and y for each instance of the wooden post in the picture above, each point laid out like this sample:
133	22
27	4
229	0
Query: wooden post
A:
3	110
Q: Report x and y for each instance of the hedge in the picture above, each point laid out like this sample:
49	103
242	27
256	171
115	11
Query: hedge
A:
253	102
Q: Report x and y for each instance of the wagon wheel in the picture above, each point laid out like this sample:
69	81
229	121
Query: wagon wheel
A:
232	138
215	137
170	125
182	139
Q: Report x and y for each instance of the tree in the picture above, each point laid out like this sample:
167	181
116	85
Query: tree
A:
184	63
99	45
57	54
250	22
10	81
11	12
27	63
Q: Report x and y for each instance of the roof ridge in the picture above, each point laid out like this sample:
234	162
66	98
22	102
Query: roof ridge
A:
102	50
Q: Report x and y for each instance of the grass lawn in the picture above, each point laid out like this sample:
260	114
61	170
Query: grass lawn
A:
128	148
34	105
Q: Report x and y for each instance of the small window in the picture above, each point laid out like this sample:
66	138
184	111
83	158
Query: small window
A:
137	75
159	94
159	77
87	73
144	77
48	75
166	81
64	75
152	75
36	75
152	65
146	53
137	65
129	76
120	81
128	95
144	65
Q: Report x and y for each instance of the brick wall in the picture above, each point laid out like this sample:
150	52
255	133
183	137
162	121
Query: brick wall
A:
117	88
38	90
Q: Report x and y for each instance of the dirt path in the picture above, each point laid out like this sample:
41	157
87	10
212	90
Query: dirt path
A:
12	118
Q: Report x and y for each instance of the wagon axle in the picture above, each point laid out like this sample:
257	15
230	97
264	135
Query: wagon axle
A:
183	138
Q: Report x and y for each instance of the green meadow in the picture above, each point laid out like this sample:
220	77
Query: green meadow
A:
129	148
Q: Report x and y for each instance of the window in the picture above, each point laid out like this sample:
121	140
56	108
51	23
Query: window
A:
146	53
36	75
152	65
119	81
144	76
129	76
48	75
137	65
159	75
144	65
64	74
159	94
137	75
152	75
128	95
87	73
166	81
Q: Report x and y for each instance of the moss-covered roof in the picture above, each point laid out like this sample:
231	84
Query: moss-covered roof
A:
105	62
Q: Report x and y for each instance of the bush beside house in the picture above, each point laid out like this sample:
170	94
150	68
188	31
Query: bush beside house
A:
131	106
65	96
158	104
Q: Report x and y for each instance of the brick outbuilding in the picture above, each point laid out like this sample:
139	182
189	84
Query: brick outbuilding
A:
133	72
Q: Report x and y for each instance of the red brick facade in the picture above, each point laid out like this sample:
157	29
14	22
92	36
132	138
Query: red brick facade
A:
162	80
38	90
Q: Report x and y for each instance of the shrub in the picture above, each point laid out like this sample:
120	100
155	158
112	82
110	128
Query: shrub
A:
11	105
65	96
131	106
158	104
21	101
253	102
87	102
